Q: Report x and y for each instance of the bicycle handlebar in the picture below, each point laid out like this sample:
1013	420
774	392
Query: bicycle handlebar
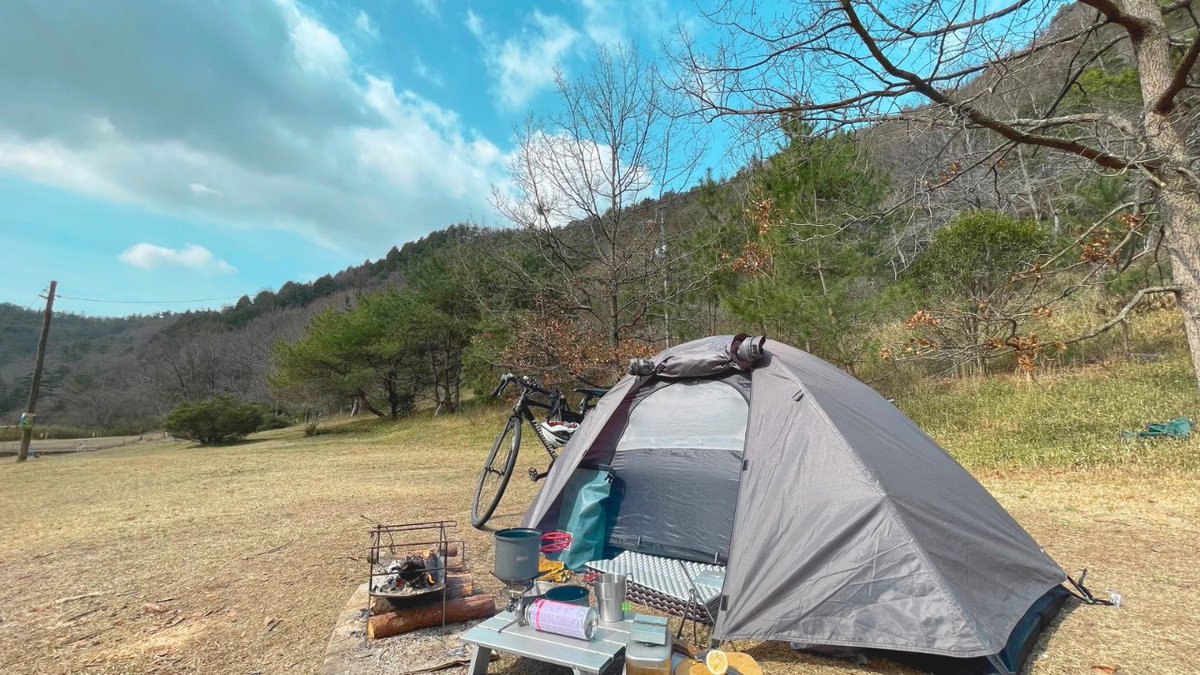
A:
504	380
524	381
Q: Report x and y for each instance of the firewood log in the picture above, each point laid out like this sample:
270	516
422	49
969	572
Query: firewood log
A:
460	583
403	621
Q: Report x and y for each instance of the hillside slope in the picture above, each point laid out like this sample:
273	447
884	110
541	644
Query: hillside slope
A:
103	371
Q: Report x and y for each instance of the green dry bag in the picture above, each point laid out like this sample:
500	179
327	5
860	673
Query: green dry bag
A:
584	514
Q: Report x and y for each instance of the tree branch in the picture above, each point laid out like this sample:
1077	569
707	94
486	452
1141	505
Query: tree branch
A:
1124	313
1133	25
1166	102
972	113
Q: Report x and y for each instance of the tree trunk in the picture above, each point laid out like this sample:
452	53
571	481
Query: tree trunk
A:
366	403
1180	213
393	396
1166	133
614	316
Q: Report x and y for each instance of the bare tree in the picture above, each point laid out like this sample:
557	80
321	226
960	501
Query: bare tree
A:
579	185
1001	81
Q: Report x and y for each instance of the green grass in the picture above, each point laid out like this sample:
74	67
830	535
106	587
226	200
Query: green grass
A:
1063	419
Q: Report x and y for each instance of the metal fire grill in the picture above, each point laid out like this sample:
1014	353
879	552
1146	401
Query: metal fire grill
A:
409	562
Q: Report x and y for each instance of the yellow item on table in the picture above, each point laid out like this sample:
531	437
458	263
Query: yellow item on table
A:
743	663
553	571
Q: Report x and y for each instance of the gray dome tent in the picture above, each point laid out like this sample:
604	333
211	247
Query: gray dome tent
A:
840	522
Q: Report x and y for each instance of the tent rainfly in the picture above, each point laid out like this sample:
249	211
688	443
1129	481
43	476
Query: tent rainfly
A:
839	521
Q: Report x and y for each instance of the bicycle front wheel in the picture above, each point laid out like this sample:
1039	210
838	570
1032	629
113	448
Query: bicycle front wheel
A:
496	471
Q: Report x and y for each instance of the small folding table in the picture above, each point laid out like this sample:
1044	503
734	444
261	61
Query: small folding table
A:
604	654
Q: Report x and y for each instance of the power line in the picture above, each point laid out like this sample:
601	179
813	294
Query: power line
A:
36	301
147	302
29	307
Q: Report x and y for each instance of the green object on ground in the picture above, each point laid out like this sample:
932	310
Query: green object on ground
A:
1180	427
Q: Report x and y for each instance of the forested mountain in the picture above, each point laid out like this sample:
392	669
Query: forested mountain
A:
126	372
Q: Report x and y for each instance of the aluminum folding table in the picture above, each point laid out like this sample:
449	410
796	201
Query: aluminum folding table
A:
604	654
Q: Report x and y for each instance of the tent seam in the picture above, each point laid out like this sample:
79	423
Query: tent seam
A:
887	500
737	501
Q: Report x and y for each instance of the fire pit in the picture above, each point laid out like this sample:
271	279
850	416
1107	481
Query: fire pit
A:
418	579
409	562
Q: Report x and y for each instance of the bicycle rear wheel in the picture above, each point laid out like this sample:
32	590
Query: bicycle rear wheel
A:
498	468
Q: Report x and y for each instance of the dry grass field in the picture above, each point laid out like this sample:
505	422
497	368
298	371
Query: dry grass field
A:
173	558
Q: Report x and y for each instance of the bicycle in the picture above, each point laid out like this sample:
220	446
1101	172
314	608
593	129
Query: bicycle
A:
554	432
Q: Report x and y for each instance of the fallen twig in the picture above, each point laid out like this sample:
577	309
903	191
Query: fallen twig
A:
444	665
81	615
73	598
81	638
273	550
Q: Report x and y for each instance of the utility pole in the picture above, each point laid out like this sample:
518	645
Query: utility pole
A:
28	416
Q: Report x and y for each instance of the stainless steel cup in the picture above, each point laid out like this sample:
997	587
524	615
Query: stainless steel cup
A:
610	597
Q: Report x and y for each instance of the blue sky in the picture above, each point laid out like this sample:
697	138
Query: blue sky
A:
197	149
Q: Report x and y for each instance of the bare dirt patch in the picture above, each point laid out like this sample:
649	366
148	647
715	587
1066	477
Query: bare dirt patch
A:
170	558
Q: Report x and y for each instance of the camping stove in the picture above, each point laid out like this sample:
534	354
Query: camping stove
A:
521	595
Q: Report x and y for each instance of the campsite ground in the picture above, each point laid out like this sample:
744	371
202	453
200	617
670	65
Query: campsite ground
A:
225	540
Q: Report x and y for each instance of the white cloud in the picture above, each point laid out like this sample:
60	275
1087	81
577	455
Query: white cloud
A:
148	256
474	23
202	189
524	64
605	23
430	7
314	46
220	129
362	21
426	73
609	22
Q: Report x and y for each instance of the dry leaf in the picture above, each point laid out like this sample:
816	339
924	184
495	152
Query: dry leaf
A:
1104	668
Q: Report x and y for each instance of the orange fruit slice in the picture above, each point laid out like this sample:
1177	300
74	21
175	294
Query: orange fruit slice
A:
717	662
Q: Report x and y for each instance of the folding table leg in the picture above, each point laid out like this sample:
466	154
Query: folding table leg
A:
480	657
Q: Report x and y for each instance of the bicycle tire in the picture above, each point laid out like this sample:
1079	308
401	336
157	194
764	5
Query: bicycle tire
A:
480	516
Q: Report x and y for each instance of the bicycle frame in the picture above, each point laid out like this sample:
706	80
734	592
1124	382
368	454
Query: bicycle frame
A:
523	409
